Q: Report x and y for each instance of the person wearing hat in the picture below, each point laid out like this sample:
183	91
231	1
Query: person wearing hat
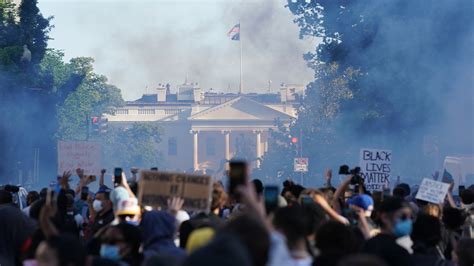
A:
363	205
128	211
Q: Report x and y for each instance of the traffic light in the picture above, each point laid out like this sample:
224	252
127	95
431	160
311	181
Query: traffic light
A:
294	140
99	124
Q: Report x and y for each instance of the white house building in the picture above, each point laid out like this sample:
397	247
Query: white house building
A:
203	130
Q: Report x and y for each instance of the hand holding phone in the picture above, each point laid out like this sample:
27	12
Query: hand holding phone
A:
118	176
270	194
237	175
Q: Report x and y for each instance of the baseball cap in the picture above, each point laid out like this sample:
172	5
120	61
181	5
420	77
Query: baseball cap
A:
128	207
363	201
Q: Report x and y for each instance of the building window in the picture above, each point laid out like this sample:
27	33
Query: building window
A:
211	146
121	111
172	146
146	111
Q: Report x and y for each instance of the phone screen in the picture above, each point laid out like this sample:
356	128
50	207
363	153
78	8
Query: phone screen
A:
117	176
237	175
270	194
461	188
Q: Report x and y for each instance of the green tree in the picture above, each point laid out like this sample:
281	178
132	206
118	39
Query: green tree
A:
134	146
93	97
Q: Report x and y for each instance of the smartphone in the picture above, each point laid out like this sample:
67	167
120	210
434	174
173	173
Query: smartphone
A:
461	188
117	176
270	195
237	175
154	169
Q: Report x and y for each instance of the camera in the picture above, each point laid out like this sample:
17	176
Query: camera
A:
356	177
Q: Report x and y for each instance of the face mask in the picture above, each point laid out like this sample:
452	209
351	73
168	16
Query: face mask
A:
136	223
403	227
97	205
109	252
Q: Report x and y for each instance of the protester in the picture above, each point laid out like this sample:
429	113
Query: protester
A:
30	199
395	221
334	242
102	213
122	243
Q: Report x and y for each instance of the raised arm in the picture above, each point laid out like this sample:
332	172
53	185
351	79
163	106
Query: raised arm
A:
101	178
340	192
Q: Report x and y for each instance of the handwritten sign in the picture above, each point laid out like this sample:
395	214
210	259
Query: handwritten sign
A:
375	167
156	188
432	191
79	154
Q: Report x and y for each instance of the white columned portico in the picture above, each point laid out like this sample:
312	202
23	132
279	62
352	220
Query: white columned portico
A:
258	147
195	150
227	147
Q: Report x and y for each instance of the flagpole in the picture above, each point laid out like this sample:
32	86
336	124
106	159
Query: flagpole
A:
241	90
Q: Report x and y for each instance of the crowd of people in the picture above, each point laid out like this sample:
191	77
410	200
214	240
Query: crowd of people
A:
322	226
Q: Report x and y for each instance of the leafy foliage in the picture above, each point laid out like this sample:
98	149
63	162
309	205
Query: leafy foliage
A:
135	146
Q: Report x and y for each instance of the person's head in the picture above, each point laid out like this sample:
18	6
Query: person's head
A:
328	193
291	222
426	230
253	235
364	202
315	216
395	217
102	202
120	241
5	197
32	197
219	197
463	254
402	190
335	238
61	250
453	218
362	260
43	193
432	209
128	211
467	197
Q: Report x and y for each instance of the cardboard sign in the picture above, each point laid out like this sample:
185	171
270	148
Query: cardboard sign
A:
375	166
156	188
301	164
432	191
79	154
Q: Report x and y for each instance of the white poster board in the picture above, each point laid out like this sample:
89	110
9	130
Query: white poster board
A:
79	154
301	164
432	191
376	167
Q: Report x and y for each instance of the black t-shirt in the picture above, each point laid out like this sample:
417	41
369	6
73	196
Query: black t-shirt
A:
386	247
102	220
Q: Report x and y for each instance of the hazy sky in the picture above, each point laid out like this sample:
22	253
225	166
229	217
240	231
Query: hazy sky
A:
138	44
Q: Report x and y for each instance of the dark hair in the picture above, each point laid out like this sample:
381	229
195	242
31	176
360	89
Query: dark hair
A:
69	249
427	230
296	190
399	192
453	218
467	196
362	260
132	236
315	216
219	196
5	197
32	197
392	204
253	234
292	222
336	238
43	193
36	208
464	252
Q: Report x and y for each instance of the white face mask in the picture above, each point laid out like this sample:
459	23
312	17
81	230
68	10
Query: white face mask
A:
97	205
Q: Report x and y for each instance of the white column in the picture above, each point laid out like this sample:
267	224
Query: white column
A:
258	147
227	147
195	151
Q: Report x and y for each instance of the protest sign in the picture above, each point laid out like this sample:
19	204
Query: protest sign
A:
432	191
300	164
375	165
79	154
156	188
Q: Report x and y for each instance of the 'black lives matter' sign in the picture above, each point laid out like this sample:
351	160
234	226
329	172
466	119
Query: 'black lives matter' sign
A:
376	166
156	188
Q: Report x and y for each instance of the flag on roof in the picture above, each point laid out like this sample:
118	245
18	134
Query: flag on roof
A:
234	33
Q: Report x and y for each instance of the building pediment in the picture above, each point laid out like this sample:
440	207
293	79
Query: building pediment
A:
240	109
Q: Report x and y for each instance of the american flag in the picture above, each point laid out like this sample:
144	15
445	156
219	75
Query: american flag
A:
234	33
